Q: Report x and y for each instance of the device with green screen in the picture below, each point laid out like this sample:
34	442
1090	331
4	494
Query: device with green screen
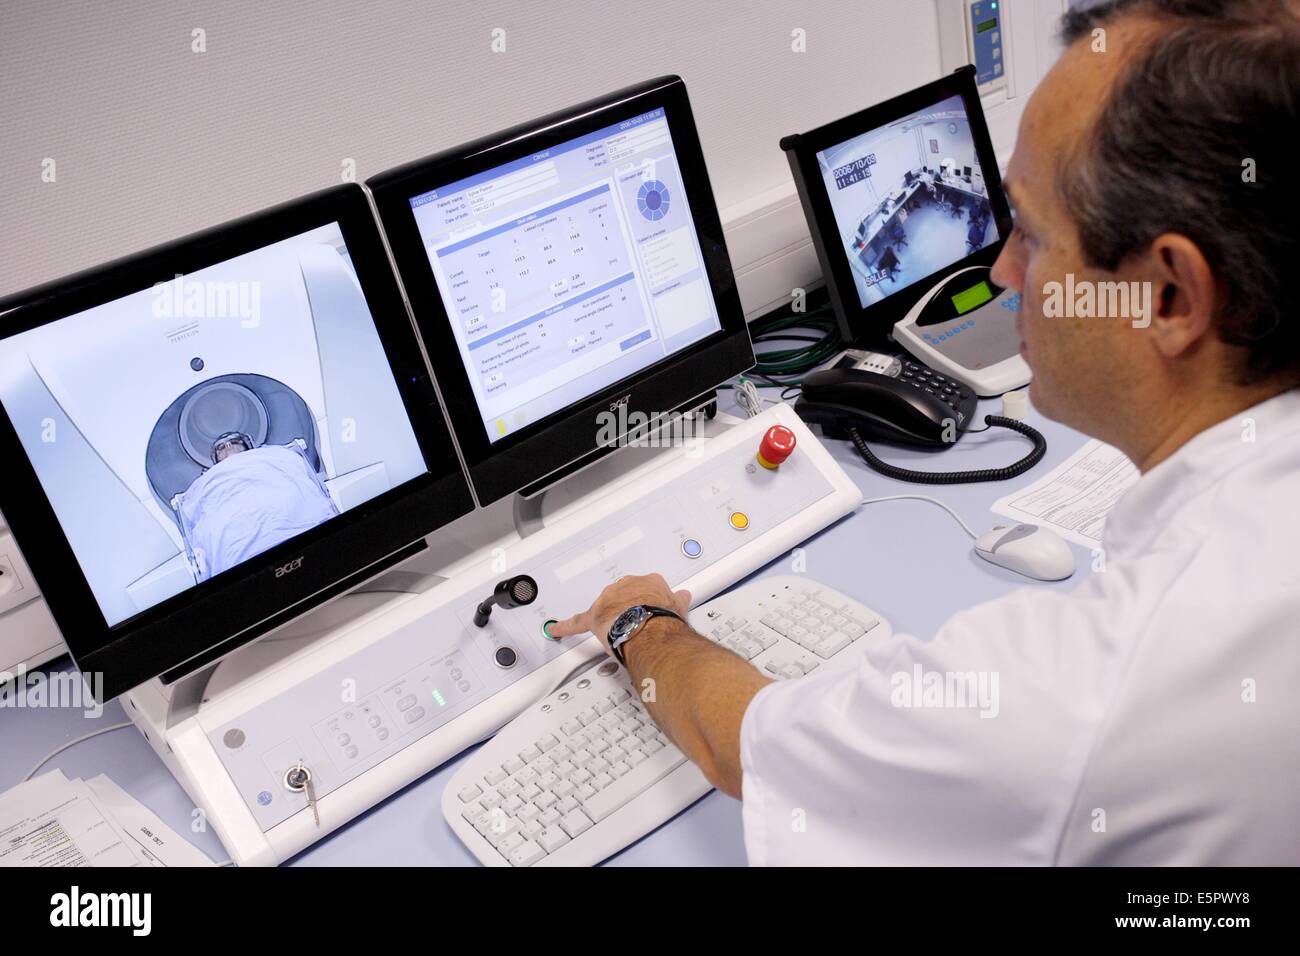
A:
965	327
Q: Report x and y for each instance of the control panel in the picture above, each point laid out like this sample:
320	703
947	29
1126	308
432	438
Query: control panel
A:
348	718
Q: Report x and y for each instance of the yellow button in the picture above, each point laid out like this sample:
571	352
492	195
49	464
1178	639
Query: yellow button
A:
739	520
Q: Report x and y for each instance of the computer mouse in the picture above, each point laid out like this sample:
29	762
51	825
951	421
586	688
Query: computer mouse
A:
1027	549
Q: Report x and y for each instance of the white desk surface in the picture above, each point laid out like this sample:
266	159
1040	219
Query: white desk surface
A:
908	560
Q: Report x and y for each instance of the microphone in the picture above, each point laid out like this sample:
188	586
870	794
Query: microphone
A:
512	592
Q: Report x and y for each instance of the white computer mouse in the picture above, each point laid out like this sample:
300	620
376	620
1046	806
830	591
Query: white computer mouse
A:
1027	549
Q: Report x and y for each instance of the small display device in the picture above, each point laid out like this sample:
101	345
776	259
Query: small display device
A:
897	196
566	270
203	436
966	327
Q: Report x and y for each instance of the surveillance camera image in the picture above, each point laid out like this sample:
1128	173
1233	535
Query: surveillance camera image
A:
185	428
908	198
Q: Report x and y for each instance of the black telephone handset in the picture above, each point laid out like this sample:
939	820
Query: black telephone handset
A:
918	406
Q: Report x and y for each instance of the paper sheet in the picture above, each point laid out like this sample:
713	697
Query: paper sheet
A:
1074	498
52	821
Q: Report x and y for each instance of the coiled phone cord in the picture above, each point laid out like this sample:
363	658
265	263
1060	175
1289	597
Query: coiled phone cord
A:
959	477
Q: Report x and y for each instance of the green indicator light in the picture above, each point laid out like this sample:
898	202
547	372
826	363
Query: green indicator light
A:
437	695
976	295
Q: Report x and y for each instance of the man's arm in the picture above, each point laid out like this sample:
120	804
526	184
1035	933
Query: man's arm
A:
696	691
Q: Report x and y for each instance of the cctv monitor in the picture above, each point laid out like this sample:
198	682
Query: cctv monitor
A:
843	168
206	439
566	270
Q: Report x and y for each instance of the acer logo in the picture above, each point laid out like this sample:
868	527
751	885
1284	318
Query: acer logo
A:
620	403
284	569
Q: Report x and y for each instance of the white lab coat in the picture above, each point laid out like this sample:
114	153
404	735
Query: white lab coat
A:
1151	716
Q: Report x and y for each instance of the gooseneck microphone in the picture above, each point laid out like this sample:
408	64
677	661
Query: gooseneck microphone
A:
512	592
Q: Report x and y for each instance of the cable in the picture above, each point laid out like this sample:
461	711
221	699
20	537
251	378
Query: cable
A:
959	477
72	743
934	501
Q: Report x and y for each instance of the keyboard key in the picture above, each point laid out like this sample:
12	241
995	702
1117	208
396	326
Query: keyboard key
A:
830	646
528	813
576	822
513	765
549	818
547	742
567	805
530	753
602	780
469	793
551	839
509	842
571	727
526	854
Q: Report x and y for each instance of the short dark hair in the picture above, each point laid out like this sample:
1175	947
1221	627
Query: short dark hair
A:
1215	85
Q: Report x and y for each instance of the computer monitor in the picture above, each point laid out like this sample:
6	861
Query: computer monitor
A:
206	439
841	169
567	274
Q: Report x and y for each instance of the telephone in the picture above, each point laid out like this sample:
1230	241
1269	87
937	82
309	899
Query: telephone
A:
902	402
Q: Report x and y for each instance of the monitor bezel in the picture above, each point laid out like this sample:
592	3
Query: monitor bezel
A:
550	446
872	324
229	610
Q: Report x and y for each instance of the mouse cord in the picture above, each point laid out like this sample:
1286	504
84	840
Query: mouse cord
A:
934	501
959	477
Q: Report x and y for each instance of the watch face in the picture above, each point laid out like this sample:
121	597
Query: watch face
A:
626	621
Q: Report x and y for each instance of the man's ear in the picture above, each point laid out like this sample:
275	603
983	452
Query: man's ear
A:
1183	294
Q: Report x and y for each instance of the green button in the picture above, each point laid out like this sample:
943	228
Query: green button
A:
546	629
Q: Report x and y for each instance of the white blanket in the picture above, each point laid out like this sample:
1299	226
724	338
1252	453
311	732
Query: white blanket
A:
248	503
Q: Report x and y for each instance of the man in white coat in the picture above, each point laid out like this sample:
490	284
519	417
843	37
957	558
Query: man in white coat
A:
1151	715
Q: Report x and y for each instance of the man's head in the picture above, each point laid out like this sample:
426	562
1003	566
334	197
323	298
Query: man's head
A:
231	443
1159	150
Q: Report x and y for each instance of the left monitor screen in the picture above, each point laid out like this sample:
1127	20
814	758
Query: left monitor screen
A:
182	430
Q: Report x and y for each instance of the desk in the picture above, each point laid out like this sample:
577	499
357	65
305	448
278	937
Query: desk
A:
906	559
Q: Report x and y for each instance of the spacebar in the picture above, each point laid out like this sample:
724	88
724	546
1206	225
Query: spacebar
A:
657	766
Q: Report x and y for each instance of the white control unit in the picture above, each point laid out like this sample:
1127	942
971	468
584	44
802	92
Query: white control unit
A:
390	694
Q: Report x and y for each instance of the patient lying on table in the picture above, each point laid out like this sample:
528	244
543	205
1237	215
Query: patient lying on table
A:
251	499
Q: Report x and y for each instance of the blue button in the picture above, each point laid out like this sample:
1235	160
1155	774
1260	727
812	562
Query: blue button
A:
264	797
691	548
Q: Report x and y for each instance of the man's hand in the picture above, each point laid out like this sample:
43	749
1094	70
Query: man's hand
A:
618	597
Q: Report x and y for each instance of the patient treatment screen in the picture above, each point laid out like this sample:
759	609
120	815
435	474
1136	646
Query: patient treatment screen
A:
908	199
568	270
181	430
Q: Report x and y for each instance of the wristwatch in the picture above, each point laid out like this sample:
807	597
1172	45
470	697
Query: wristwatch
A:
630	622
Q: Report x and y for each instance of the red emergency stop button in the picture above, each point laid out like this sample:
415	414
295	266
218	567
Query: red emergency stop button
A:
776	447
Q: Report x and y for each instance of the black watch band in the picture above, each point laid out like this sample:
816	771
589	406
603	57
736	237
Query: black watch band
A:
628	624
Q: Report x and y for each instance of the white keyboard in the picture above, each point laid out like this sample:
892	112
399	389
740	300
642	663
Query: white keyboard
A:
585	772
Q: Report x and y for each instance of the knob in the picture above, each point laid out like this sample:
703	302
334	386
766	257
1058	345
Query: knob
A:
776	447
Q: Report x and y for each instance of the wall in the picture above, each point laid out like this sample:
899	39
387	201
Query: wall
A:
151	139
